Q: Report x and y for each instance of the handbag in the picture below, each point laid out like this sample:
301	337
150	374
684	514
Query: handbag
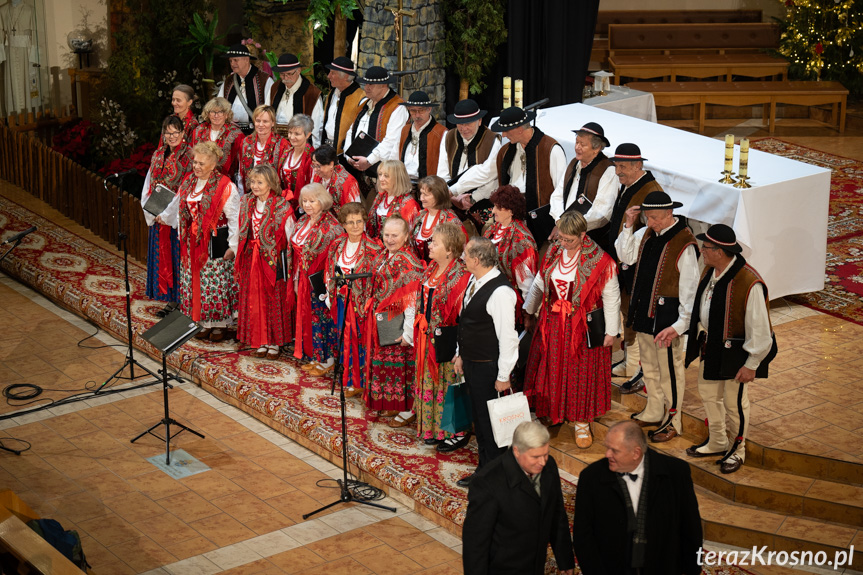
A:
456	416
506	413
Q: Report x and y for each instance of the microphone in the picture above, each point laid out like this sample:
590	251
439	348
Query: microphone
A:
20	236
351	277
537	104
122	174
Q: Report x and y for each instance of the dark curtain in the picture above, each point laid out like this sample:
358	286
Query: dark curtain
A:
548	46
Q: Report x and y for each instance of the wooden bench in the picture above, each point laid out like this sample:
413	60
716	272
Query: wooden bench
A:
747	94
605	18
694	50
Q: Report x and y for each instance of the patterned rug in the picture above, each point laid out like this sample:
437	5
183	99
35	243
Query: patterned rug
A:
842	295
83	277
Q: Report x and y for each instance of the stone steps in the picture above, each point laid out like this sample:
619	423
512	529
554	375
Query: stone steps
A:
786	501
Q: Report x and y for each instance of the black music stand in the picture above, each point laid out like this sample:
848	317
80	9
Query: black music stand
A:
166	336
345	494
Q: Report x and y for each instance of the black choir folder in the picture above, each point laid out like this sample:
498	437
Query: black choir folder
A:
362	145
319	288
159	200
389	330
171	332
444	342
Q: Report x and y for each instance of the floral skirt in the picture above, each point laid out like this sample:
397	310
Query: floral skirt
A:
265	316
324	334
428	401
218	292
567	386
391	379
154	263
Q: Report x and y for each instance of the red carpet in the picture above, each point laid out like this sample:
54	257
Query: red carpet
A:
87	279
841	296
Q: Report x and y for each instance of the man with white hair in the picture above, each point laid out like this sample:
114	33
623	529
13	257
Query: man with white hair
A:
515	510
246	87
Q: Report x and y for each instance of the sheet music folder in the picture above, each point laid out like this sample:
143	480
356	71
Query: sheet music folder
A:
171	332
362	145
159	200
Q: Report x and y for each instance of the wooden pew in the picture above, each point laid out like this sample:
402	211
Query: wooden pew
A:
694	50
607	17
768	94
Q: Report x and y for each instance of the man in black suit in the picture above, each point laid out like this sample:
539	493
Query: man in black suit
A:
515	509
635	511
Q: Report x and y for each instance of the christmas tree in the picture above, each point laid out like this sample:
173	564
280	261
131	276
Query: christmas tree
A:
823	40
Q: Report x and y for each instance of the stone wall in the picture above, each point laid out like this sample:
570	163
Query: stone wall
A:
423	42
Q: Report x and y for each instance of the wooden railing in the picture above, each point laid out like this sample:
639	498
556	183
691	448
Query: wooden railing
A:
72	189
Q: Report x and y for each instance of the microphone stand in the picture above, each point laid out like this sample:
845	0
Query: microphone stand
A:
346	496
122	243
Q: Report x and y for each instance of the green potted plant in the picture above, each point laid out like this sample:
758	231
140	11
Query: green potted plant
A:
474	30
203	42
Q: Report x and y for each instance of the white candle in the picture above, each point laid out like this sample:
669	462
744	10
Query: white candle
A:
519	93
744	157
507	91
729	152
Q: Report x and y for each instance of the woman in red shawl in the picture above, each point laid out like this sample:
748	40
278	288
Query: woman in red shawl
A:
436	201
182	98
390	368
314	333
170	164
516	248
296	172
438	304
205	209
263	147
569	377
340	184
351	253
394	197
217	126
263	265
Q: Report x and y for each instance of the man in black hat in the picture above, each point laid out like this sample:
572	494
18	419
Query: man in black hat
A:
294	94
532	162
730	332
343	103
589	184
635	184
419	143
665	256
381	117
468	156
246	87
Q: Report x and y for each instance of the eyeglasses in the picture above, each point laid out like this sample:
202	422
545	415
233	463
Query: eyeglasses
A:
217	112
172	134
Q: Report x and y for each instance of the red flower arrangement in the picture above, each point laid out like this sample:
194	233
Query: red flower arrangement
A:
74	140
139	161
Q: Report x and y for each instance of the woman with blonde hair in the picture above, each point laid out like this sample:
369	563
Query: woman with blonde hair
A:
263	265
576	294
217	126
264	146
394	197
430	326
314	334
205	209
351	253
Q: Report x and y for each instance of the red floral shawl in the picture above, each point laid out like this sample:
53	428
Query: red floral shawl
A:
342	186
276	150
230	141
404	205
421	246
445	306
294	180
595	269
271	235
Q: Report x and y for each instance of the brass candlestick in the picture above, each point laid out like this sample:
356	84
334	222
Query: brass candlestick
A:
727	177
742	183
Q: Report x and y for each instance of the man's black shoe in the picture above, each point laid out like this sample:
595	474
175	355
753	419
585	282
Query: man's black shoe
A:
451	444
464	481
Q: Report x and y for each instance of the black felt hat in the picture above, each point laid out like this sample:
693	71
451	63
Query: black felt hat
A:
723	236
376	75
512	118
287	62
627	153
343	64
419	99
596	130
659	201
466	111
239	51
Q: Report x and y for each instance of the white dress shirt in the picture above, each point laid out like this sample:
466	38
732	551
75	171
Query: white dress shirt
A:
610	297
627	244
634	487
757	341
412	156
240	115
329	123
286	111
480	177
387	149
556	165
501	308
599	213
171	215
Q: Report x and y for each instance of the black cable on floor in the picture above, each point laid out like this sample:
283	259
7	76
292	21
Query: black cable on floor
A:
359	490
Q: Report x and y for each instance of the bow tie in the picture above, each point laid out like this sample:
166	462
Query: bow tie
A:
632	476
